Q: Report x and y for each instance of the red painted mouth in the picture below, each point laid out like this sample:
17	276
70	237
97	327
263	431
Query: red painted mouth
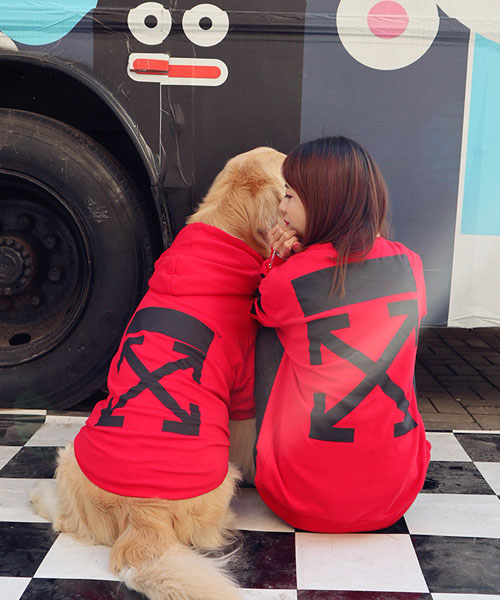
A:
147	66
163	69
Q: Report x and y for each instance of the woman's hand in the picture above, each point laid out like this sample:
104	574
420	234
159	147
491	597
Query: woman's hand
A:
284	241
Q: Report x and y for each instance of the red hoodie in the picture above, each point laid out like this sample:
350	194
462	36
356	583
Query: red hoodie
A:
184	366
341	446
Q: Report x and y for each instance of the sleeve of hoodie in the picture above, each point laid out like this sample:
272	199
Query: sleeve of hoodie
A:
418	272
242	400
275	303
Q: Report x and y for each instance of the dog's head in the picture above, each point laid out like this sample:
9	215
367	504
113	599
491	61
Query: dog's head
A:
244	198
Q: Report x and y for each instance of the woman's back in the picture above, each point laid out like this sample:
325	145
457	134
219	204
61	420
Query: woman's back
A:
341	444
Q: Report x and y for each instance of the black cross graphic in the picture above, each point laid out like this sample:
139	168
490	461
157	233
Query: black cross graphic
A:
193	339
319	333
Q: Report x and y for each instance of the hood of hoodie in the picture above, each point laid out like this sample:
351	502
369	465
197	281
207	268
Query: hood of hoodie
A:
206	261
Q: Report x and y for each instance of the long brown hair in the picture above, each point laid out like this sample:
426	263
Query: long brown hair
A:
344	196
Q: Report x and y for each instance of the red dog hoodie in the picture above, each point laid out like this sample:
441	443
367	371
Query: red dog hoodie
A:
184	366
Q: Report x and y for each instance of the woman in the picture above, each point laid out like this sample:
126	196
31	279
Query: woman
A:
341	445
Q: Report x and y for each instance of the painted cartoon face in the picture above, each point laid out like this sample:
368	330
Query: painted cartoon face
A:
204	25
391	34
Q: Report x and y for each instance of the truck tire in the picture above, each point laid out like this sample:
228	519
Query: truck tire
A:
75	253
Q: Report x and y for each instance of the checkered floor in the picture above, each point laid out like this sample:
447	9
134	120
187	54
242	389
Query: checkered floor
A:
447	547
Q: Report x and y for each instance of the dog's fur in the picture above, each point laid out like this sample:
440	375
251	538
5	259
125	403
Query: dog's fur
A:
155	542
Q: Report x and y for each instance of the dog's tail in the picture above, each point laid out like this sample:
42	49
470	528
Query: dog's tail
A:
182	574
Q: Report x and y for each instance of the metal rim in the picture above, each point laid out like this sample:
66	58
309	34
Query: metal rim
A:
45	268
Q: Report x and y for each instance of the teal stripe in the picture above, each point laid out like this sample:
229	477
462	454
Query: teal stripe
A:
481	201
40	22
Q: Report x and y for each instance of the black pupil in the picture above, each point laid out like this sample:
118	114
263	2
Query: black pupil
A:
205	23
151	21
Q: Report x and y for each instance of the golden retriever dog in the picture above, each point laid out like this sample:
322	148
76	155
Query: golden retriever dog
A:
151	473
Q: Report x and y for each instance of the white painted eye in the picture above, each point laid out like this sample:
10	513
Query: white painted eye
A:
205	24
6	43
389	34
481	16
149	23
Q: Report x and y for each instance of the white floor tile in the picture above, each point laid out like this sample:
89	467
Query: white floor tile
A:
269	594
72	560
465	597
12	588
66	419
6	453
253	515
491	472
362	562
459	515
15	503
14	412
57	431
476	431
445	446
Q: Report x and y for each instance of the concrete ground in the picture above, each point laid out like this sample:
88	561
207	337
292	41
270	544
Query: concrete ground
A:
458	378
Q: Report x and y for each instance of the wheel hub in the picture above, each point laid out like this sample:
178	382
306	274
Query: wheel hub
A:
17	260
44	273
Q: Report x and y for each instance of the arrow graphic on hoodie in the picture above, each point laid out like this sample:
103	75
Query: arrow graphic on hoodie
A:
193	339
320	334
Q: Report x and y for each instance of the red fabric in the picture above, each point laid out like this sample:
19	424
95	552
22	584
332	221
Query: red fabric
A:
344	363
196	316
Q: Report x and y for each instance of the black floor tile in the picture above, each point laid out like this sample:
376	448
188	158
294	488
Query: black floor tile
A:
17	430
398	527
350	595
266	560
481	447
448	477
23	546
32	462
78	589
459	565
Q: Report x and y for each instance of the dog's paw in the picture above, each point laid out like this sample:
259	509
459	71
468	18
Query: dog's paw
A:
44	499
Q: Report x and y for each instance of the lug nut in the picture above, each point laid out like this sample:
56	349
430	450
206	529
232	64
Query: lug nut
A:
54	274
35	300
28	272
49	242
7	291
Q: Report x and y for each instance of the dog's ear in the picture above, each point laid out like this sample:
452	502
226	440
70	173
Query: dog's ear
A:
244	198
257	187
267	201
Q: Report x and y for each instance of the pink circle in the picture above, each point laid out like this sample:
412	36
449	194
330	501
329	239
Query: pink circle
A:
387	19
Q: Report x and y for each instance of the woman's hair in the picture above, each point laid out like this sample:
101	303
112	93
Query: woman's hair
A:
344	196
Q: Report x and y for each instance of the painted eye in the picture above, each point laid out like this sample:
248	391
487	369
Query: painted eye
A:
205	25
481	16
387	35
6	43
149	23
